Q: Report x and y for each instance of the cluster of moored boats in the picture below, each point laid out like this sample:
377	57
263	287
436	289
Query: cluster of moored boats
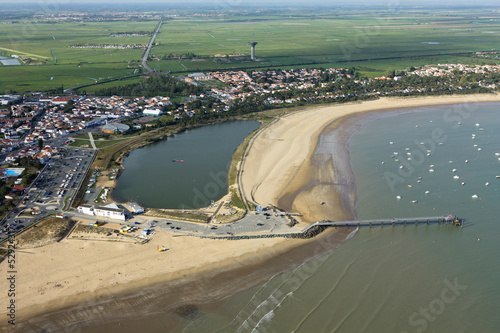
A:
409	155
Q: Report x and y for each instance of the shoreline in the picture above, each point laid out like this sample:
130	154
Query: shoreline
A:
296	172
288	181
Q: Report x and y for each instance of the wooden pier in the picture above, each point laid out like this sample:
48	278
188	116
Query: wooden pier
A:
388	222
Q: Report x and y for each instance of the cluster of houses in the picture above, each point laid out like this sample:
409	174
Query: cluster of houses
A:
241	84
449	69
42	154
21	130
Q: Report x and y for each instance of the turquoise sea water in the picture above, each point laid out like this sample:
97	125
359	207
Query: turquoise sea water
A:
425	278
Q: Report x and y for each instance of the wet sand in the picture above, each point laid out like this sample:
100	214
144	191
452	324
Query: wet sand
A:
301	163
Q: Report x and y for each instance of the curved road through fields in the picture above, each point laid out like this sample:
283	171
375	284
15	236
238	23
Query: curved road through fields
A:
148	49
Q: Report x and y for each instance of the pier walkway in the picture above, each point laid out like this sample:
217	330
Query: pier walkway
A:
313	228
389	222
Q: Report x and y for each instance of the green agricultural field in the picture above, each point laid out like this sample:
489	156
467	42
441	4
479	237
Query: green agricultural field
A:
36	40
45	53
372	41
92	89
21	79
361	36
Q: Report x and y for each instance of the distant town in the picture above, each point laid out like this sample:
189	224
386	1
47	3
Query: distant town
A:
27	119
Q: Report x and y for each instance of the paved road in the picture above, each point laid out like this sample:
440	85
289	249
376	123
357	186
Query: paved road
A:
148	49
252	223
91	138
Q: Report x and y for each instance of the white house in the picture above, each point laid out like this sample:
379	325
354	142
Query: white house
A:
111	211
136	208
151	112
86	209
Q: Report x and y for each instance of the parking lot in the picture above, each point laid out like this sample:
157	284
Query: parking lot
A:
250	224
54	188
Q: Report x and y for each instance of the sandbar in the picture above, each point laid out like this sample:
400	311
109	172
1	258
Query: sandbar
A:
289	165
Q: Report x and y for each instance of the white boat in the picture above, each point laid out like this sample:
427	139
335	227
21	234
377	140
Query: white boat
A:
431	166
477	124
463	183
456	177
401	167
414	201
497	154
431	170
479	149
454	170
466	161
497	177
487	184
391	143
407	148
396	160
398	197
475	196
427	192
450	162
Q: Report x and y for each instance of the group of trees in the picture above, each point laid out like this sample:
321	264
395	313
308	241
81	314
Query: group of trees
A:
153	85
187	55
32	166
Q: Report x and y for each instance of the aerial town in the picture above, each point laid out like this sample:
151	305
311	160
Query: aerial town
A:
49	116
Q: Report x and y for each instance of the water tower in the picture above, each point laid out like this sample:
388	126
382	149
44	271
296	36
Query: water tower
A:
252	44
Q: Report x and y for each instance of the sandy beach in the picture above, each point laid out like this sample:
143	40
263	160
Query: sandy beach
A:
285	166
289	166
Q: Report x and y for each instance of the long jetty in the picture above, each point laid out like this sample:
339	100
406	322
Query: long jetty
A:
388	222
319	226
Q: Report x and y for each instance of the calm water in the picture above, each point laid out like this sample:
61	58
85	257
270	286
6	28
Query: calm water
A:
436	278
153	180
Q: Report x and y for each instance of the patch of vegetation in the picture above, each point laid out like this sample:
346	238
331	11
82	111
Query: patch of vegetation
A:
187	311
236	199
153	85
190	216
48	231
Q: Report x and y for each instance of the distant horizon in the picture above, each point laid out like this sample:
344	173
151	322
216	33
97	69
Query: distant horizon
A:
260	3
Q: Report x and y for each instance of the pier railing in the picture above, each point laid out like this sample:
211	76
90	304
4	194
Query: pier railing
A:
318	227
388	222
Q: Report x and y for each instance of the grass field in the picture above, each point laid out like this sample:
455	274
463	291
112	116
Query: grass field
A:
370	37
372	40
